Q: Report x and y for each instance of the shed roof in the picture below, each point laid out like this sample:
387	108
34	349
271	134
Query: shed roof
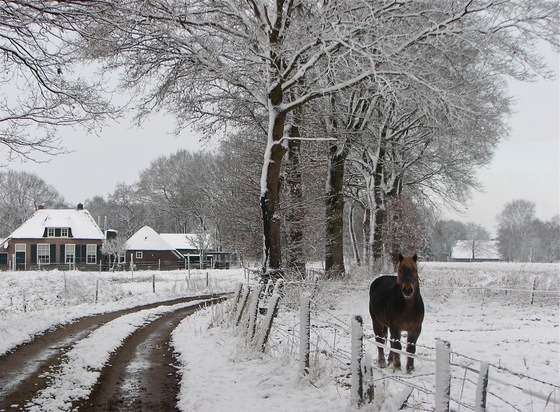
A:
182	241
147	238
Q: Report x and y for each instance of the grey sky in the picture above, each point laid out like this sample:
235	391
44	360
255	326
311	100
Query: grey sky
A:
526	166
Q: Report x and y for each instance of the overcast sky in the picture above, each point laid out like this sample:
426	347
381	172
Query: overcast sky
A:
525	166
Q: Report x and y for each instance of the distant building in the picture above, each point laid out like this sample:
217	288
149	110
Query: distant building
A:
475	251
146	248
54	238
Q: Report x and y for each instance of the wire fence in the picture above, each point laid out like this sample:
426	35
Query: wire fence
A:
473	384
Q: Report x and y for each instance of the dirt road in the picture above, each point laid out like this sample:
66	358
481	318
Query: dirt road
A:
140	375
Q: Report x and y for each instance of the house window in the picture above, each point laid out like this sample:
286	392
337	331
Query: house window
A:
43	254
70	254
58	232
91	253
139	255
20	247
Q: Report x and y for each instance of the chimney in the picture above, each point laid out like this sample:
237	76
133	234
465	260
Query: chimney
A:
80	206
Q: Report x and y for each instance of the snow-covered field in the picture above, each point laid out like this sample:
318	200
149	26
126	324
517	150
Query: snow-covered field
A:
505	314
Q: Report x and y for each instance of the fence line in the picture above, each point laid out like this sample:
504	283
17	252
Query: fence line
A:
441	395
512	288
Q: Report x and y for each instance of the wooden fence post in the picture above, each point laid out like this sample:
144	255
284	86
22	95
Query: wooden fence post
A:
241	305
481	388
96	289
533	291
253	311
357	349
443	376
236	296
367	371
271	313
304	333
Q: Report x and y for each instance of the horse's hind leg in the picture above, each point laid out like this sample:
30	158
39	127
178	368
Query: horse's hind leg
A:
380	332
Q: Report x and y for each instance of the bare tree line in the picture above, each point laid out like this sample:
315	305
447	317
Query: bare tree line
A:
397	104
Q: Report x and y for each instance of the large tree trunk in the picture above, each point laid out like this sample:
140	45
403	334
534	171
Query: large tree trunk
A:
334	230
353	240
270	194
295	257
380	213
366	234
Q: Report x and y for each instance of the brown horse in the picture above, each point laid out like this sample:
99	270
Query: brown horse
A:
395	304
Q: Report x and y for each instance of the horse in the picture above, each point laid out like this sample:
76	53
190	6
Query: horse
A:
395	304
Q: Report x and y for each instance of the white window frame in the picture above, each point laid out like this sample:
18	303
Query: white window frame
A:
91	254
63	232
139	255
50	232
21	247
70	254
43	254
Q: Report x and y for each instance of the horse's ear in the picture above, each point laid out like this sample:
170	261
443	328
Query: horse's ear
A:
415	257
401	257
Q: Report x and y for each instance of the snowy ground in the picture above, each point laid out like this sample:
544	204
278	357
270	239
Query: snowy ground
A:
505	314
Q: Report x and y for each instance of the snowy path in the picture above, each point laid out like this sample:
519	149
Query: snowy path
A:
65	381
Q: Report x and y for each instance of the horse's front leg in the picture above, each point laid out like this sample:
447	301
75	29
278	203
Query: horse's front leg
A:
395	357
411	348
380	332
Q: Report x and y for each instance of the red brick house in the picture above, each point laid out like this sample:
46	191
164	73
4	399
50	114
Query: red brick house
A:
54	238
147	248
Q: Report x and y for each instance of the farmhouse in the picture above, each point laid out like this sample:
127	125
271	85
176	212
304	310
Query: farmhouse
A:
475	251
54	238
146	248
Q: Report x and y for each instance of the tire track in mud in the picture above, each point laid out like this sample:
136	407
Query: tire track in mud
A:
23	370
141	375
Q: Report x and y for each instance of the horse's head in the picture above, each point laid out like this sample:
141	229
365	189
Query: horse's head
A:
407	275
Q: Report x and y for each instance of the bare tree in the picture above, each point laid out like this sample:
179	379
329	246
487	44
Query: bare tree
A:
21	194
127	212
478	237
41	89
177	190
236	183
220	62
516	229
445	233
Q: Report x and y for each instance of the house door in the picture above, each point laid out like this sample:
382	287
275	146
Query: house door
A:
20	257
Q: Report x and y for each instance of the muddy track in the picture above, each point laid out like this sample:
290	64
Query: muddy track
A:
141	375
23	370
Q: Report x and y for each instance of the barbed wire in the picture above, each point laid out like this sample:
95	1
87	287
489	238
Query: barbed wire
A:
322	344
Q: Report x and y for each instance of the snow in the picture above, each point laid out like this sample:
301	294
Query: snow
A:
483	310
80	221
186	241
84	362
147	238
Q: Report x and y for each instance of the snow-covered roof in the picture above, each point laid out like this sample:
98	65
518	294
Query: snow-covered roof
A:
181	241
147	239
483	250
80	222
